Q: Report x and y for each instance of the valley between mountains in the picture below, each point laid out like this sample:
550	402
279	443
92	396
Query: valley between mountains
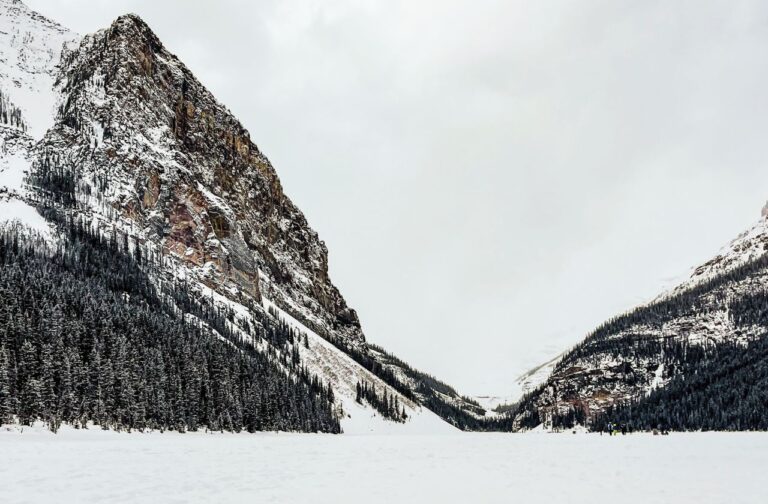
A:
155	276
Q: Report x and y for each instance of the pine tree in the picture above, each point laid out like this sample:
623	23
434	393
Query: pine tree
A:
31	401
6	401
48	397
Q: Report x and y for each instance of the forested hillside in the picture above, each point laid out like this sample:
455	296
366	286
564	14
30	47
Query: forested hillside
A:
85	336
718	387
695	359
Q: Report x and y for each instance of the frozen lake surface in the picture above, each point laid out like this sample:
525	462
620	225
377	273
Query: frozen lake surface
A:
97	466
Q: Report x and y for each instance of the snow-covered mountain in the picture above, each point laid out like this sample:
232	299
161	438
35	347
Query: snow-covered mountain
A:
680	360
111	133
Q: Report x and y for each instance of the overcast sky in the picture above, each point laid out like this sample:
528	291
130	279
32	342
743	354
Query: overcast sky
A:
493	178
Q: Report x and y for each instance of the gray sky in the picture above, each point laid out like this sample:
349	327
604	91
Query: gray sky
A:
492	178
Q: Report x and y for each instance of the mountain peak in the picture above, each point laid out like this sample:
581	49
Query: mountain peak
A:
197	184
132	21
132	29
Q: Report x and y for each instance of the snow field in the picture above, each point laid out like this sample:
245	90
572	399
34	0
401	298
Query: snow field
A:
97	466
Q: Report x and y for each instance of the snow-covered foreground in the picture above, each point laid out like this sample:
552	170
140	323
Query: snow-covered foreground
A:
96	466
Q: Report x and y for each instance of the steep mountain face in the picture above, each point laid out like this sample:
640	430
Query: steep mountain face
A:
138	157
688	347
153	149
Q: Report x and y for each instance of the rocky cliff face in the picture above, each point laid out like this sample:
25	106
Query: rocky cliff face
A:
157	156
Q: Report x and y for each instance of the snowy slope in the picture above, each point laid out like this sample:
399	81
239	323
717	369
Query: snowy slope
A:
15	162
523	384
335	367
746	247
534	377
30	49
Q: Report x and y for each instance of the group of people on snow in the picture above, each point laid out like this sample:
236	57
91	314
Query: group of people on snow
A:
613	429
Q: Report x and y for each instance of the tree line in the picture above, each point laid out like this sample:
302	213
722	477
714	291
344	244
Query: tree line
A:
715	387
388	405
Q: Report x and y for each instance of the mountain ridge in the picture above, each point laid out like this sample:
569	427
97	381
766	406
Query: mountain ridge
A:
657	349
